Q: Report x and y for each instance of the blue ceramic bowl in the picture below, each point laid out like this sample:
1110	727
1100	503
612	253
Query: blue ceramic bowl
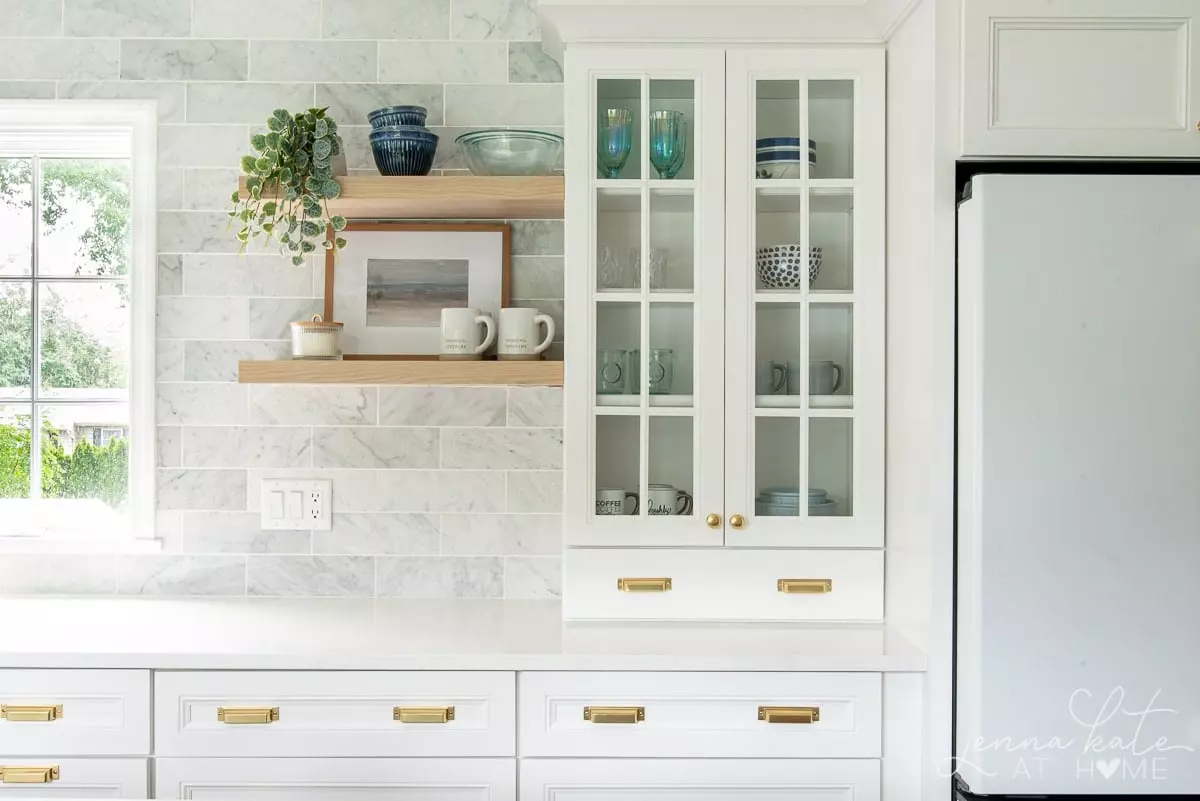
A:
397	115
404	152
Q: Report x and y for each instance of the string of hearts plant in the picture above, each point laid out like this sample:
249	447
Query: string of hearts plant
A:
289	183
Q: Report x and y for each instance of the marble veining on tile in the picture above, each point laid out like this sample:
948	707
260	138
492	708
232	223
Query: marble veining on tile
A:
483	535
442	62
386	19
250	103
127	17
202	318
63	574
167	446
218	361
529	63
290	404
201	404
271	318
340	61
246	446
64	59
442	406
183	60
169	96
440	577
264	19
375	447
494	19
174	574
502	449
379	533
238	532
535	406
324	576
533	578
535	491
202	489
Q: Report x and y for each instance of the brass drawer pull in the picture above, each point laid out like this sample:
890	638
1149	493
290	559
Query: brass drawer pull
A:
29	775
248	714
423	714
805	586
789	714
644	584
31	714
614	714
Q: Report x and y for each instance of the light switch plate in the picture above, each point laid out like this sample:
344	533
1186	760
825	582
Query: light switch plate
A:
296	504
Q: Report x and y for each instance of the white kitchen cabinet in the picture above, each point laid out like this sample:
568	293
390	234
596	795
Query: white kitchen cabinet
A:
1081	78
75	712
707	395
70	778
336	779
699	780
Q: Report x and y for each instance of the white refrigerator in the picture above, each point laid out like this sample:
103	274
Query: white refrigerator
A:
1078	486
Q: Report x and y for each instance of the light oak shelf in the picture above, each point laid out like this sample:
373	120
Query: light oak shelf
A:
403	371
466	197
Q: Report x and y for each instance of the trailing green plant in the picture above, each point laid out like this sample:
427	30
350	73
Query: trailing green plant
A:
289	183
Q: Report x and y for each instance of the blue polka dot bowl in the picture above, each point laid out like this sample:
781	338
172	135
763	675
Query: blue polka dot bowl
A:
784	266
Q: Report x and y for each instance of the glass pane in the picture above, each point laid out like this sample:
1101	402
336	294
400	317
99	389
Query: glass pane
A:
777	466
669	364
672	241
830	467
618	135
779	149
671	467
672	128
831	355
780	264
617	457
84	339
618	241
16	336
831	229
778	357
618	339
16	217
831	127
85	220
14	459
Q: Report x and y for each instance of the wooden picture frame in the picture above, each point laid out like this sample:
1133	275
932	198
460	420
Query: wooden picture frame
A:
332	258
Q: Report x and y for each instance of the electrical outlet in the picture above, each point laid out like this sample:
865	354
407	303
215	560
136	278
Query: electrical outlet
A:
296	505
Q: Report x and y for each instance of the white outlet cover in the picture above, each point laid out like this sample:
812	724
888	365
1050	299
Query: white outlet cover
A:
314	509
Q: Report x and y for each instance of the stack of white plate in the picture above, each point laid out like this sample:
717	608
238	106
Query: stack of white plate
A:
781	157
783	502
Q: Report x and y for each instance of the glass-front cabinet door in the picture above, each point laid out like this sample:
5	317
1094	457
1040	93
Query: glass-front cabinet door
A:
645	296
804	298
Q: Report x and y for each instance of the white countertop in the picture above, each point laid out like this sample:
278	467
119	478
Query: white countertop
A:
335	634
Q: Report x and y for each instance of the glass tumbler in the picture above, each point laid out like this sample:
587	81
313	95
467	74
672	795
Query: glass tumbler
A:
615	140
668	142
660	371
610	372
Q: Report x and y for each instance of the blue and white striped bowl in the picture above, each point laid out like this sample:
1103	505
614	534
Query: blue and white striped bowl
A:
404	150
397	115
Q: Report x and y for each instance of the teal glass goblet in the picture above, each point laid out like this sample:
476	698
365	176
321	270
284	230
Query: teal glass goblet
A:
668	142
615	140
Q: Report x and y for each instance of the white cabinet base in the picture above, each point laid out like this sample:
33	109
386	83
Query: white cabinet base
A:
699	780
80	778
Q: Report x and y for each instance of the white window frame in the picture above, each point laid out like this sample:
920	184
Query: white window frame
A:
113	129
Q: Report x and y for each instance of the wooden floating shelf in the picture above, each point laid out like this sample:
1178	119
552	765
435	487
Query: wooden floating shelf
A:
403	371
465	197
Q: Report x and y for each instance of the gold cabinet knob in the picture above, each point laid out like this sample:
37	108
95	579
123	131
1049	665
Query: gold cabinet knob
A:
713	521
737	521
1198	126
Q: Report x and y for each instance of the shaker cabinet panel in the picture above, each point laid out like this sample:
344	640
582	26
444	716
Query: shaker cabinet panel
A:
1081	78
699	780
336	779
48	778
85	712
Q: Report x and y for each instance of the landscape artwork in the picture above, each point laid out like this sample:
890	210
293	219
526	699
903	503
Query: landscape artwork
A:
411	293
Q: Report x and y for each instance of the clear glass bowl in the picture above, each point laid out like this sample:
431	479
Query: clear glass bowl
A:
510	152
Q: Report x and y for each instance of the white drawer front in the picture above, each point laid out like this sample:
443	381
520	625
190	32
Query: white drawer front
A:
337	779
701	714
102	712
78	778
335	713
723	584
699	780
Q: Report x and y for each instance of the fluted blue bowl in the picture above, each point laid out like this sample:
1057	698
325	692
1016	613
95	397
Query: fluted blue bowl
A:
397	115
404	152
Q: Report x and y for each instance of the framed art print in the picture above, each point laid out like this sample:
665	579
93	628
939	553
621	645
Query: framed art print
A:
388	286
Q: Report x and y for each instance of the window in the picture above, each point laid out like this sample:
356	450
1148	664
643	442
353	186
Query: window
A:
76	319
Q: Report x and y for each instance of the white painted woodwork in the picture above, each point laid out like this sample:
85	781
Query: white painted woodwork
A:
903	737
698	341
700	715
722	584
1082	78
104	712
80	778
335	713
700	780
855	468
336	779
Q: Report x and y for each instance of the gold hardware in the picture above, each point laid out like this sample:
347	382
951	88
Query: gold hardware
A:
31	714
248	714
737	521
29	775
644	584
789	714
423	714
1198	126
805	586
713	521
614	714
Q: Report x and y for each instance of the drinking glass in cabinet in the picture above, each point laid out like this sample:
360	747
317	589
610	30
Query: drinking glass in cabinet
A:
669	367
670	132
610	372
672	240
618	240
618	367
668	142
660	371
615	141
618	122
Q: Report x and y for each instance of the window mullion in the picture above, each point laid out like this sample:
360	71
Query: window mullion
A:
35	369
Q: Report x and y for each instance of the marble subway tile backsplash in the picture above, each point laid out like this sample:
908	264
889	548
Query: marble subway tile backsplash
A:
437	491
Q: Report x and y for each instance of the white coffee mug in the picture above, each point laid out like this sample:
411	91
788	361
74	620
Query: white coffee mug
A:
664	499
519	333
461	335
613	502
